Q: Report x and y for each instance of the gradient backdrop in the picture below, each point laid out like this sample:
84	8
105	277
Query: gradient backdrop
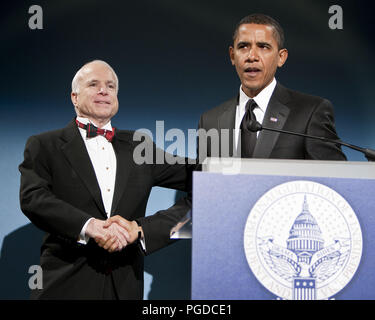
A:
171	57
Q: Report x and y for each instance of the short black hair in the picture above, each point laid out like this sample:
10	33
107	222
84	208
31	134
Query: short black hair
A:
260	18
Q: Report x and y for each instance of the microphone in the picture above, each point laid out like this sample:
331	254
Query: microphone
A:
255	126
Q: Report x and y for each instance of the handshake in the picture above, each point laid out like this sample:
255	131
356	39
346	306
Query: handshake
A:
113	234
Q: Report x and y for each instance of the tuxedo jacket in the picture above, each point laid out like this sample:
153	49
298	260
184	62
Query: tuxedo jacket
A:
59	193
287	110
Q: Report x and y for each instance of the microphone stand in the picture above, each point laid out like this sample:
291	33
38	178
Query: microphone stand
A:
369	153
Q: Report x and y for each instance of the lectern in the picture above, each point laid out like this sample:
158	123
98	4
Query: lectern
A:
283	229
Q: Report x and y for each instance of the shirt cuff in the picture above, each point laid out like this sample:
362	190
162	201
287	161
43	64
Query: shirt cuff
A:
142	241
143	244
83	238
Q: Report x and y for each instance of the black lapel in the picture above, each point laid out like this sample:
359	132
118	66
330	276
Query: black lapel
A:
275	118
76	153
227	120
125	164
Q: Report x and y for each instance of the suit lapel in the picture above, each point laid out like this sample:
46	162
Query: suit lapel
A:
275	118
76	153
125	163
227	121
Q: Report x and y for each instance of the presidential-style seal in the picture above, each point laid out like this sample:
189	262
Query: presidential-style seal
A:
303	241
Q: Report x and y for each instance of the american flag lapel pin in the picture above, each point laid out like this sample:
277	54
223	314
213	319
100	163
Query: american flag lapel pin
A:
273	119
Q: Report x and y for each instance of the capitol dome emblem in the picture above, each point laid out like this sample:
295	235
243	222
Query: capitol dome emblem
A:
303	241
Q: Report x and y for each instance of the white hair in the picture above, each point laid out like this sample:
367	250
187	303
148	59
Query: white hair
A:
78	76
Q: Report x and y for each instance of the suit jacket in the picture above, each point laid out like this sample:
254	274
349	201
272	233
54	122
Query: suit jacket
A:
59	193
294	111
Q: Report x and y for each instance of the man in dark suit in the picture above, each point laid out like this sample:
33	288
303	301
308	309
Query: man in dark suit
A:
75	178
257	51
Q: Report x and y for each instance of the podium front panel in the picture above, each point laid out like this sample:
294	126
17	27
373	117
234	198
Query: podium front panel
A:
282	237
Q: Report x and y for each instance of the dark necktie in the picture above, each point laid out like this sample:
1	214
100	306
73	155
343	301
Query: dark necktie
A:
248	138
92	131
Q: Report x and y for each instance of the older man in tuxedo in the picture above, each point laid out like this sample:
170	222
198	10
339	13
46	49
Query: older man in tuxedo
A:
257	51
81	185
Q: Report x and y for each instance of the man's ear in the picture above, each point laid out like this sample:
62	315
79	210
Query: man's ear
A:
283	55
74	97
231	54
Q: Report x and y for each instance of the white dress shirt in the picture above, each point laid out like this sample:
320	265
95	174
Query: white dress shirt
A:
262	100
103	159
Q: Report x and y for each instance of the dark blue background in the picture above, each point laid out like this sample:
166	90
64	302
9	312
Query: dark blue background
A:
172	61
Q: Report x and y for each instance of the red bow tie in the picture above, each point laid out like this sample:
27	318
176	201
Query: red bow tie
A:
92	131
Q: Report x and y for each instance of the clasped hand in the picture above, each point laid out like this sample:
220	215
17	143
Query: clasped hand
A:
113	234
